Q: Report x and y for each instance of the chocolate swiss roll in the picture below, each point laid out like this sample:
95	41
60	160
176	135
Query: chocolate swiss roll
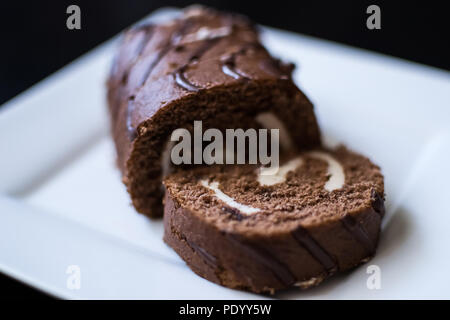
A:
204	65
318	215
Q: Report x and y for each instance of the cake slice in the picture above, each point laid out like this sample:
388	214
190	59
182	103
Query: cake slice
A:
205	65
318	215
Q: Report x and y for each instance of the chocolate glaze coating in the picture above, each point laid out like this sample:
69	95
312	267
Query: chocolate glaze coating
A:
205	65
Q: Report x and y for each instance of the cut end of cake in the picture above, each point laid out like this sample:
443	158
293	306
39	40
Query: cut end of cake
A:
322	214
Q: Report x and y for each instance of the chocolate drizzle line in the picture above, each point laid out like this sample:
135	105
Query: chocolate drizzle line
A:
315	249
360	235
148	30
378	203
209	258
174	40
228	69
180	78
132	134
229	64
279	270
171	43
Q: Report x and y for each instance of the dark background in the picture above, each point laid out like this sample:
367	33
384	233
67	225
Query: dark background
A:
35	41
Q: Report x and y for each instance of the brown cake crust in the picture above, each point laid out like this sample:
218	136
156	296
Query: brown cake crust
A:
315	234
206	66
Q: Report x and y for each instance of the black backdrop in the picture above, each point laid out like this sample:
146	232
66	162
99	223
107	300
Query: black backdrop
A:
35	41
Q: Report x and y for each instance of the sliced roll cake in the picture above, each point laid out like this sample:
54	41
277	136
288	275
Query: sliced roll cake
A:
318	215
204	65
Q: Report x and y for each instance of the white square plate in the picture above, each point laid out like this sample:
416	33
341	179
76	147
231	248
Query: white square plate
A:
62	202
